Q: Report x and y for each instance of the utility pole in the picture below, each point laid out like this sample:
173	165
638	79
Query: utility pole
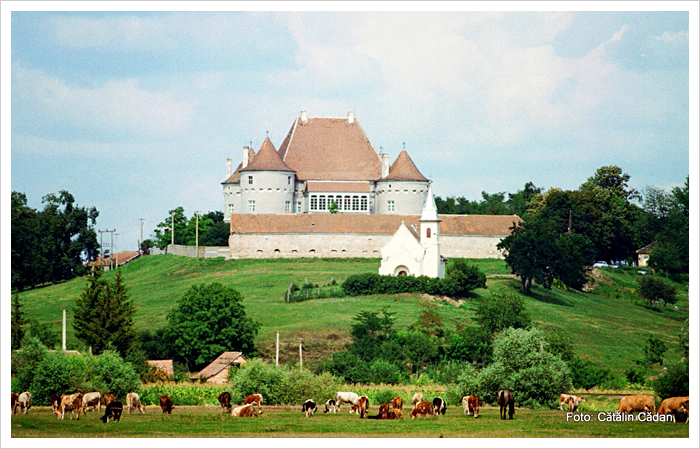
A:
111	247
300	340
117	251
141	241
196	232
277	350
172	227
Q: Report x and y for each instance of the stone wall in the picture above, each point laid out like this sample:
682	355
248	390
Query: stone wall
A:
206	252
266	246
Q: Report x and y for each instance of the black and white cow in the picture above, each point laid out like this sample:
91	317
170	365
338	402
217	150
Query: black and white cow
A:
330	406
439	407
309	407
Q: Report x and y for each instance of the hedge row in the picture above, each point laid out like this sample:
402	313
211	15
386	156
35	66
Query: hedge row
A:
375	284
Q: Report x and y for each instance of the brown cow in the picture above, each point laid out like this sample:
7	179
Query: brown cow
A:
107	398
395	413
15	403
166	404
506	400
636	403
225	401
245	411
72	402
397	402
253	399
364	406
471	405
133	401
422	408
55	401
383	411
572	402
673	405
25	402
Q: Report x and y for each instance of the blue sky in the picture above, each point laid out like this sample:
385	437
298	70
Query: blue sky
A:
135	113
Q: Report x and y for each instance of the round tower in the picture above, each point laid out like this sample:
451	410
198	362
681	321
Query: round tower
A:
267	183
402	189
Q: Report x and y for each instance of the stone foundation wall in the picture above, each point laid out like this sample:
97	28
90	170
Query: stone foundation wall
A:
266	246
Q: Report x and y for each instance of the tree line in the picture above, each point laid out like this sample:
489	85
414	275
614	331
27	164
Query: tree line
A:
563	231
209	228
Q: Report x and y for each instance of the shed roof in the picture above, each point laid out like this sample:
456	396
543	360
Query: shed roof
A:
225	360
163	365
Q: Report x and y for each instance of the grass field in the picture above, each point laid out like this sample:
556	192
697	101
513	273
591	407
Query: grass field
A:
289	422
609	326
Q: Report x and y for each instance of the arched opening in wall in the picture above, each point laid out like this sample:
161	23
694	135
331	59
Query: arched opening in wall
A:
276	251
259	251
375	253
312	250
342	251
402	270
333	251
295	251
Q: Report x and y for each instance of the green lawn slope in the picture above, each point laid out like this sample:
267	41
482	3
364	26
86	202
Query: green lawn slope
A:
608	326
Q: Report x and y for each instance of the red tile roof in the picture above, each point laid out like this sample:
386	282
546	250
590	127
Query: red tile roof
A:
235	177
267	159
366	224
330	149
403	169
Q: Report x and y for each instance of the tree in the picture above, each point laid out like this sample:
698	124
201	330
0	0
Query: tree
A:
655	289
575	251
611	179
334	208
68	236
146	246
530	252
671	253
17	321
163	233
104	314
210	319
369	330
467	277
501	311
26	257
429	321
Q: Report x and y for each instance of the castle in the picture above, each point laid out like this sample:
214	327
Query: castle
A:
280	203
322	162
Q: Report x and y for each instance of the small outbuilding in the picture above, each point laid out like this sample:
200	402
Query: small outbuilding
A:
166	366
217	371
643	255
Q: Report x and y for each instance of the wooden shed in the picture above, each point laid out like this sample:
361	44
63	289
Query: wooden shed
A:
217	371
166	366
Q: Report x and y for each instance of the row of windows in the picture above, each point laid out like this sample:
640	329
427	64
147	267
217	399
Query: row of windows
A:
250	179
357	203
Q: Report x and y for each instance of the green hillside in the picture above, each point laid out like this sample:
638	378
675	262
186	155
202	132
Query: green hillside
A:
609	326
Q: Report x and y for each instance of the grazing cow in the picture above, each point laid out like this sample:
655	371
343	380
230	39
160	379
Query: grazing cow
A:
383	411
563	398
471	405
134	402
15	403
225	401
245	411
675	405
112	410
387	413
354	409
166	404
572	402
505	399
72	402
107	398
254	399
346	397
25	401
364	406
636	403
92	399
439	406
330	406
309	407
418	397
422	408
397	402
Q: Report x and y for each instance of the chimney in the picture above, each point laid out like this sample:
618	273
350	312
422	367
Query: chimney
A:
303	117
385	164
351	117
228	167
246	150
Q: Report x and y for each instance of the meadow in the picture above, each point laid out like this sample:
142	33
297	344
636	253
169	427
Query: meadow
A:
608	326
290	422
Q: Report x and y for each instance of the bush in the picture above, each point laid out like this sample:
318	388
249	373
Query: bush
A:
281	384
675	382
188	394
587	375
462	279
503	310
470	344
383	396
655	289
384	372
466	277
347	366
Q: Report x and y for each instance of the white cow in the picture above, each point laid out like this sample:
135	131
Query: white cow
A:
346	397
418	397
134	402
25	401
92	399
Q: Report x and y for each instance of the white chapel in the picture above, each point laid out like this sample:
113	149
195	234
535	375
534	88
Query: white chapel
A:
416	252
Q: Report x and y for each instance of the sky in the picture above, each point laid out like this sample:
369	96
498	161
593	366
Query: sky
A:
135	112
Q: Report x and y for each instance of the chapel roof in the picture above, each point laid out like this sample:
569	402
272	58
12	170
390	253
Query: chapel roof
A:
403	169
334	149
267	159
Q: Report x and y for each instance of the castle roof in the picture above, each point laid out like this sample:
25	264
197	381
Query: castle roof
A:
235	177
492	225
267	159
403	169
334	149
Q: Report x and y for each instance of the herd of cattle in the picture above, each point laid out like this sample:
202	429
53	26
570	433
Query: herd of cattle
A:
252	405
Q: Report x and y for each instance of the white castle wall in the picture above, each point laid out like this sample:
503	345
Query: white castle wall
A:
408	197
264	246
269	190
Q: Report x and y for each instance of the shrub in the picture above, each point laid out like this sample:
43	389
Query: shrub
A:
674	382
655	289
384	372
110	373
25	362
383	396
588	375
188	394
470	344
281	384
466	277
462	279
348	366
503	310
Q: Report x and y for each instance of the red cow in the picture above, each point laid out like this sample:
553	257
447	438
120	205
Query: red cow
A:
471	405
15	403
225	401
245	411
397	402
422	408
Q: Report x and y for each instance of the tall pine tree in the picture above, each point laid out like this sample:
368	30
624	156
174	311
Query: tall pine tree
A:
103	316
17	322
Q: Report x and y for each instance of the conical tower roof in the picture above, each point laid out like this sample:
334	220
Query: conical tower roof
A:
429	209
403	169
236	175
267	159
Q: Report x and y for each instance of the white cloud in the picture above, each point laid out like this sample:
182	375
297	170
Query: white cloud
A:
119	106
